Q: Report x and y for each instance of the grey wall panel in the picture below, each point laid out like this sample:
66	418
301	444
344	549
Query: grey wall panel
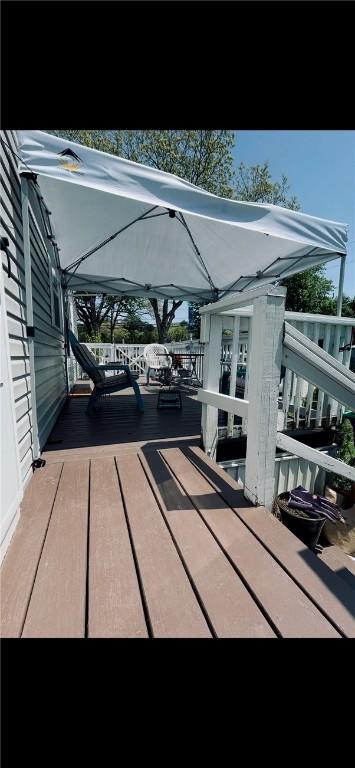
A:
49	341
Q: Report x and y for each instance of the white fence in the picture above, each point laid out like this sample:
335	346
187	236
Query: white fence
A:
132	355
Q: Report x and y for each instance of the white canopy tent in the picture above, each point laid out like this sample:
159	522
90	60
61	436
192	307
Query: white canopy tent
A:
125	228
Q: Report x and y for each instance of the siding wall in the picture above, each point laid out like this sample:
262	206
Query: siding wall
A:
49	341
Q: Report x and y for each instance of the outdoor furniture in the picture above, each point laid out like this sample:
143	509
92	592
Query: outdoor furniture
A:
169	399
159	361
104	385
190	374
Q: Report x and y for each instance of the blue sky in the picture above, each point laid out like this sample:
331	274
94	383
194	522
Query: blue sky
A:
320	167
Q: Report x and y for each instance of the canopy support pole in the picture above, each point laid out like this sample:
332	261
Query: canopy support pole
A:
341	285
29	307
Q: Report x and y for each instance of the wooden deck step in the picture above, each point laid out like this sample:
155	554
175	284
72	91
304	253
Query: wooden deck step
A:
312	573
18	570
231	610
57	605
171	603
115	605
289	610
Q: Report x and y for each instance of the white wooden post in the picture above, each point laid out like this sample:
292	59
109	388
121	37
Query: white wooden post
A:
264	378
286	395
332	404
234	369
211	373
320	402
246	388
310	386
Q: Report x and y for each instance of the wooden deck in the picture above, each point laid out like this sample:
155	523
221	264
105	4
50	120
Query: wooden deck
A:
119	426
146	537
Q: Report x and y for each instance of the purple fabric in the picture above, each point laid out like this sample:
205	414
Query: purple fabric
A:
314	505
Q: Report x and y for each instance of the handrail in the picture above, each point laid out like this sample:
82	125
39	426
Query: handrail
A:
243	298
224	402
287	443
312	363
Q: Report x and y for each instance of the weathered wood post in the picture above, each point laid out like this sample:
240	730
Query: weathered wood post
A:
211	335
264	377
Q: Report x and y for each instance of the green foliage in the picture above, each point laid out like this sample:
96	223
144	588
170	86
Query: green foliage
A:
93	311
195	319
178	333
254	184
329	306
345	452
93	338
202	157
308	291
346	449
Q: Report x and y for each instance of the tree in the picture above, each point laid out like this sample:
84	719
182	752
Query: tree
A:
308	291
203	158
329	306
95	310
254	184
178	333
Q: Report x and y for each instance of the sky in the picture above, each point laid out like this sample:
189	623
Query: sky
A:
320	168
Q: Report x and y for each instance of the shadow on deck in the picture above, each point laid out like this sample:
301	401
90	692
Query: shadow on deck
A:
142	535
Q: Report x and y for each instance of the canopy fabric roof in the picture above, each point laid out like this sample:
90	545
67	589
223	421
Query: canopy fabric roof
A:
164	237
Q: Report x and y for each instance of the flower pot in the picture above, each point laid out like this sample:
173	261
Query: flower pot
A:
307	529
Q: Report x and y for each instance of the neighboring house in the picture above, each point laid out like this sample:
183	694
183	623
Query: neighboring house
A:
49	376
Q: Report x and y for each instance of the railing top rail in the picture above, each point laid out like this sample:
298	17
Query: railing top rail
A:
302	317
243	298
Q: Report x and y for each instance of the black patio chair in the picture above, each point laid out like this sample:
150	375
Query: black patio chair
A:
104	385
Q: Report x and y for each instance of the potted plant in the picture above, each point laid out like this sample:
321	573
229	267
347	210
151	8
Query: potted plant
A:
339	488
306	527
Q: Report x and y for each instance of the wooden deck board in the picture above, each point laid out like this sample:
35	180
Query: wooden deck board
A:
231	610
130	530
171	603
115	606
287	607
315	576
57	605
339	562
20	564
118	425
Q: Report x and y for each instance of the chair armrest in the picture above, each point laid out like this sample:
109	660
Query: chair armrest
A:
118	367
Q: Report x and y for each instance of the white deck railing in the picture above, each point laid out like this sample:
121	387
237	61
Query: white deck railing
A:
271	343
132	354
290	471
